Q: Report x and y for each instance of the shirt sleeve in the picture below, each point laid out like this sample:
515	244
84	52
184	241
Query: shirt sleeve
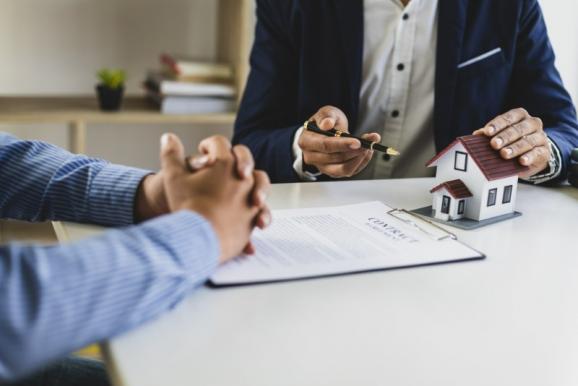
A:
298	160
43	182
55	300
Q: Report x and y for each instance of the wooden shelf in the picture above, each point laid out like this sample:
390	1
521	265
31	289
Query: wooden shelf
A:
235	24
137	110
78	112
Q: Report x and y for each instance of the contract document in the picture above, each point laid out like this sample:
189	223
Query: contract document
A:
316	242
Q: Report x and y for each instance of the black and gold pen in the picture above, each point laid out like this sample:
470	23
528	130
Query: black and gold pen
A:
365	143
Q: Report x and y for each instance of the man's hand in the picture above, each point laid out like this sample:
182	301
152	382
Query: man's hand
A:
216	192
335	157
151	200
519	135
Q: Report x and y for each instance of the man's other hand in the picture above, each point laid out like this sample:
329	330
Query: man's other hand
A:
334	157
516	134
233	204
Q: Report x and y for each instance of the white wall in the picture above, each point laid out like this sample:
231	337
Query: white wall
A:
560	18
55	46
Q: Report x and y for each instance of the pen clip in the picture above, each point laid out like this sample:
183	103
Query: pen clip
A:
433	230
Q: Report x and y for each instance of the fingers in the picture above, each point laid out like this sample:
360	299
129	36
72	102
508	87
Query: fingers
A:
318	158
244	161
261	188
536	160
198	162
349	168
330	117
216	147
309	141
249	249
504	121
260	193
516	131
263	218
374	137
524	145
538	156
172	155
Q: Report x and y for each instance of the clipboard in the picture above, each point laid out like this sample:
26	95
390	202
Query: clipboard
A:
323	242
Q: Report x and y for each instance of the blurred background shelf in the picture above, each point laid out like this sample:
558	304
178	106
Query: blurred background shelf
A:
78	112
52	51
136	109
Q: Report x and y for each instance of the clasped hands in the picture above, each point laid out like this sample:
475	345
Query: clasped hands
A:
515	134
220	184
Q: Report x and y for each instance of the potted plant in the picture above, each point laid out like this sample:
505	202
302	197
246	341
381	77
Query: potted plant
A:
110	88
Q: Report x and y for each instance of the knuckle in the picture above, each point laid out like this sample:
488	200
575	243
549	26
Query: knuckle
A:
522	111
325	146
508	118
530	141
541	151
220	139
519	129
518	145
303	141
539	123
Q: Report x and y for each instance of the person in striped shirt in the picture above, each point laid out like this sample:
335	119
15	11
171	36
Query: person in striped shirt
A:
173	228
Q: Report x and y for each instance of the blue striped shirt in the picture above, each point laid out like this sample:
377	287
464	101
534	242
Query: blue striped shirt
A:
57	299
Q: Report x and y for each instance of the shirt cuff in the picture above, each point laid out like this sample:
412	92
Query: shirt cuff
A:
298	157
190	238
554	169
112	194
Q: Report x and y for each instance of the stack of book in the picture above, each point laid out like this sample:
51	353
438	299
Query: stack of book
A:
185	86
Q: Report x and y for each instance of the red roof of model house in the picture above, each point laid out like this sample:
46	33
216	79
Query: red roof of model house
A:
456	188
485	156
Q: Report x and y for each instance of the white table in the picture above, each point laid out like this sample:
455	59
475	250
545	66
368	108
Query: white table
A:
511	319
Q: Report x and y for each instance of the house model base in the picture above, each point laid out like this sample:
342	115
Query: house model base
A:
463	223
473	183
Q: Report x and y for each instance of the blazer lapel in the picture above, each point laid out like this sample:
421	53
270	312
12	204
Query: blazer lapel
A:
451	25
349	25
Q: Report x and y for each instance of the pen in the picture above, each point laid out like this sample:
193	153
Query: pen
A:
365	143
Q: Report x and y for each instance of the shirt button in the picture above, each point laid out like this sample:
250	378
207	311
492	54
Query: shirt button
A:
405	16
400	67
395	113
385	157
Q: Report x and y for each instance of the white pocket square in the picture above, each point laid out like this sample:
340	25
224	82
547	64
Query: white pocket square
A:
480	57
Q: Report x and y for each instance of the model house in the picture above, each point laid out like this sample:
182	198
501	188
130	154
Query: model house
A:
473	181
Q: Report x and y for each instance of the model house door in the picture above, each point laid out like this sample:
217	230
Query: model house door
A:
446	200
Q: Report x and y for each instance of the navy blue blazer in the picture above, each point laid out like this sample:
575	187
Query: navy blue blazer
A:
308	54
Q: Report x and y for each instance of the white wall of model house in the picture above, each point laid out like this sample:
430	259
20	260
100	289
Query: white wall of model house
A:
453	208
479	186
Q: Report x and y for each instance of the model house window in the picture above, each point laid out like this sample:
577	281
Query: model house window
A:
492	197
446	205
507	198
461	161
461	206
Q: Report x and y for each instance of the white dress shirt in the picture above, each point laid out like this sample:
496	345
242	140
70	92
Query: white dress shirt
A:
398	89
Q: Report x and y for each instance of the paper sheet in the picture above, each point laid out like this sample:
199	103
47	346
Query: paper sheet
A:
303	243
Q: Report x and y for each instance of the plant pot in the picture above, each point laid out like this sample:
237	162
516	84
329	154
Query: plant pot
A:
110	99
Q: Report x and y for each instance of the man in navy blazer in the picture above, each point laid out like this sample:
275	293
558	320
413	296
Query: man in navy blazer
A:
494	69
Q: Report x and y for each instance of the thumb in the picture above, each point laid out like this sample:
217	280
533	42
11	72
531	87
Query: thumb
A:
374	137
172	154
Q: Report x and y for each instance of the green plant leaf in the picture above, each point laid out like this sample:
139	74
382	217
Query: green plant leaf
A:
111	78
